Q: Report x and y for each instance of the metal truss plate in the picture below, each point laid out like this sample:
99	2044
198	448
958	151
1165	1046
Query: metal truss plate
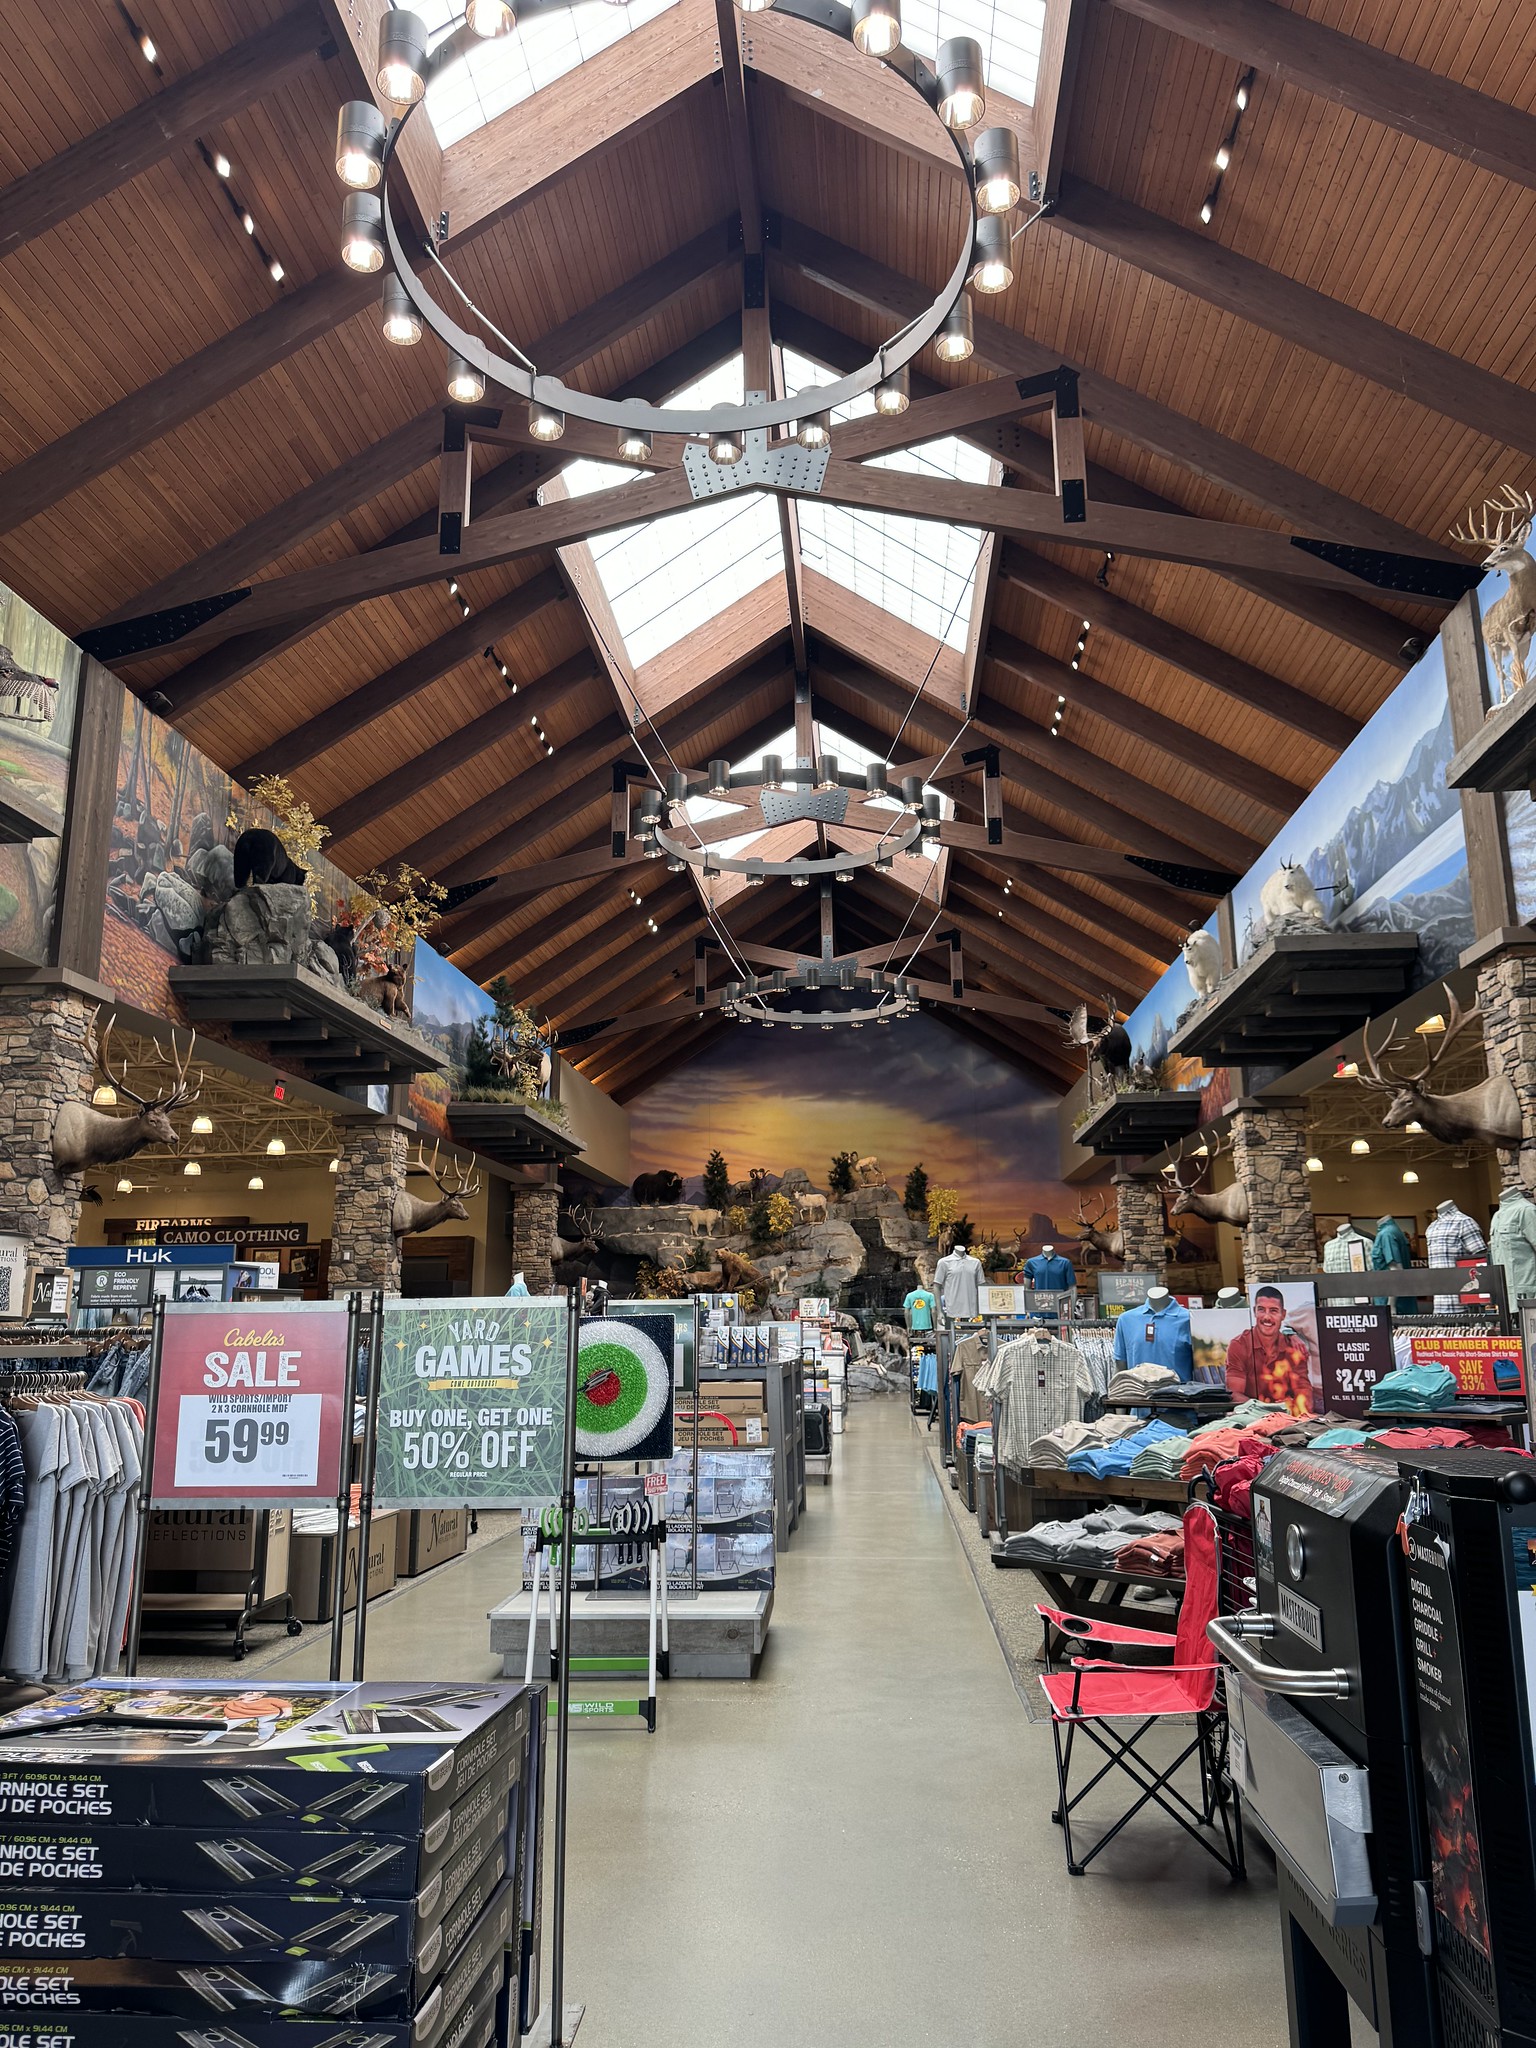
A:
788	806
785	467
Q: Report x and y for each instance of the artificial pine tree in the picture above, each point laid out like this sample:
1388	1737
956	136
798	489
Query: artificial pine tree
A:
914	1197
717	1181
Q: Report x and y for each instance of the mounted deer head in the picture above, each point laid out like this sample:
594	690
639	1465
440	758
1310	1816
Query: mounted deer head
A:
86	1136
1508	621
1109	1244
412	1215
1488	1113
1229	1206
583	1220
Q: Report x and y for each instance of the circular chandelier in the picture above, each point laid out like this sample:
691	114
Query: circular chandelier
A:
892	996
954	90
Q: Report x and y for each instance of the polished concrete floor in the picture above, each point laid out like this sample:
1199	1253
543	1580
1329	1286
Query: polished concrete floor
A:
856	1848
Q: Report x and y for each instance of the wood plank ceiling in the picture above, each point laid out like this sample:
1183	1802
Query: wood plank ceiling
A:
176	421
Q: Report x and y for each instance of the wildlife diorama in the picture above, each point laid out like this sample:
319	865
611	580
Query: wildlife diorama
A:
39	673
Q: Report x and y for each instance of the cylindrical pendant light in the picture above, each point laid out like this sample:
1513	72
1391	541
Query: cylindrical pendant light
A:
719	778
466	386
877	778
893	394
402	322
956	339
773	771
362	232
876	26
545	422
489	17
995	152
360	145
992	258
912	792
962	82
816	432
402	73
826	772
634	444
256	1183
725	448
677	786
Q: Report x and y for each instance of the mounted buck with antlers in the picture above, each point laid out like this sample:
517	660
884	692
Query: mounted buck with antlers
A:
1510	619
1488	1114
583	1220
85	1136
1091	1234
412	1215
1229	1206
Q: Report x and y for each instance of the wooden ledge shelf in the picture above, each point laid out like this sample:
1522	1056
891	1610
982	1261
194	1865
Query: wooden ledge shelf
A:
296	1014
1503	755
1140	1121
24	818
512	1133
1298	995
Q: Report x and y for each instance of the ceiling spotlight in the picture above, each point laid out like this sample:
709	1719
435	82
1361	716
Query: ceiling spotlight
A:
754	881
222	165
402	322
191	1169
719	778
725	448
334	1167
202	1124
1410	1178
773	771
545	422
147	45
962	84
992	257
104	1096
800	881
359	146
402	72
893	394
1415	1127
826	772
362	232
1207	210
1360	1147
275	1148
125	1186
249	224
1242	97
634	444
995	152
1223	157
275	271
956	341
466	386
256	1183
876	26
1314	1164
676	865
816	432
489	17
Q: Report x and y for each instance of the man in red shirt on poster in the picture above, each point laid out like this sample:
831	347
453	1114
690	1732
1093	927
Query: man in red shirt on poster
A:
1270	1362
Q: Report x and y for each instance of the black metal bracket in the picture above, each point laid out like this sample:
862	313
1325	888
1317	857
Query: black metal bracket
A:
1199	881
1413	575
156	629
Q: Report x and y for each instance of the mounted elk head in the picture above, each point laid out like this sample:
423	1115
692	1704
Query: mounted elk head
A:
412	1215
587	1241
1487	1114
1229	1206
85	1136
1508	621
1109	1244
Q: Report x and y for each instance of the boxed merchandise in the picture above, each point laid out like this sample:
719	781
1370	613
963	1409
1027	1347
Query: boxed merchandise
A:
221	1756
234	1985
311	1571
436	2025
428	1537
531	1861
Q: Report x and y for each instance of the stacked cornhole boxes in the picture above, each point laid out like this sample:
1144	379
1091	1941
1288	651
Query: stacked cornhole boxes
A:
270	1866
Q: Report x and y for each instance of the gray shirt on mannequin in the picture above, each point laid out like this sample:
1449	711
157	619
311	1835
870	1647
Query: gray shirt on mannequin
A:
958	1279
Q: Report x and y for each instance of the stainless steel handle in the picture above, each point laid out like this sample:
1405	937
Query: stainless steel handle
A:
1334	1684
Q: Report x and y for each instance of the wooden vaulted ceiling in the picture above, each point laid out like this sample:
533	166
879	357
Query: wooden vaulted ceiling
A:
1340	351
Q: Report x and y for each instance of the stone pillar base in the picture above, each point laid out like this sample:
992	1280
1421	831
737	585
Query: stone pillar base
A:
1506	996
45	1062
534	1211
1142	1225
1269	1156
365	1252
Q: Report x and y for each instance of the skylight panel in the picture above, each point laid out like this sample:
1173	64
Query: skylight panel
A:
509	69
666	578
1009	32
917	569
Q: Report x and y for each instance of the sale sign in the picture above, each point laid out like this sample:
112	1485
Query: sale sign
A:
251	1403
1483	1364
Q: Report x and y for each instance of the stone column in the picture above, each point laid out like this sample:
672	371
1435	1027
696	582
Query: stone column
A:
365	1252
1269	1155
1142	1226
534	1211
44	1064
1506	995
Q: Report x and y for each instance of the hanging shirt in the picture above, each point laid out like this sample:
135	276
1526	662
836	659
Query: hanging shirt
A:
1392	1248
1450	1239
958	1279
919	1306
1156	1336
1054	1272
43	1449
1043	1382
1512	1241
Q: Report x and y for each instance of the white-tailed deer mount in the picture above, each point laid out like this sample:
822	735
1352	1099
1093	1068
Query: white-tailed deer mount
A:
588	1240
85	1136
1230	1206
1091	1234
1509	620
1488	1114
1108	1048
412	1215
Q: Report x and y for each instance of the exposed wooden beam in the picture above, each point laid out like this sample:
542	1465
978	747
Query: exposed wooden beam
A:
407	678
545	982
1370	81
406	782
121	150
1167	735
1254	688
1116	972
1061	44
1384	355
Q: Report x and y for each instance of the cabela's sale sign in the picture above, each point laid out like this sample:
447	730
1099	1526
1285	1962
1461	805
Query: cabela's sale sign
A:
251	1404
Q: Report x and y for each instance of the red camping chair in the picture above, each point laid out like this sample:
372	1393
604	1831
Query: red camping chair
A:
1094	1697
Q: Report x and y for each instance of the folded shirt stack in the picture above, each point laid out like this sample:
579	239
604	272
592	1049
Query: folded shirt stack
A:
1336	1439
1094	1537
1053	1449
1206	1397
1242	1415
1136	1382
1215	1447
1437	1438
1163	1458
1115	1460
1160	1556
1419	1387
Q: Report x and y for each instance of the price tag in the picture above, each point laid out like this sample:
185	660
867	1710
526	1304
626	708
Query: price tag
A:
266	1439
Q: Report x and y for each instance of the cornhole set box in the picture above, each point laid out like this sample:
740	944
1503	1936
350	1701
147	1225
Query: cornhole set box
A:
426	1537
377	1758
222	1993
476	2023
97	1856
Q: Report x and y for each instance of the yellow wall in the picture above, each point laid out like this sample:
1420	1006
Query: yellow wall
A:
602	1125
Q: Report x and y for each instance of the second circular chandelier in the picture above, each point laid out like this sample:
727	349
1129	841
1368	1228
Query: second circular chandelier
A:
954	89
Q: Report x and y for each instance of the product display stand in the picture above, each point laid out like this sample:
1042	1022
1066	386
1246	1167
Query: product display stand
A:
374	1343
344	1500
786	1431
625	1531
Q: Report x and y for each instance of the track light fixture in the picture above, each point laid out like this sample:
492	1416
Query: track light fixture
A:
876	26
359	146
402	323
466	386
362	232
402	72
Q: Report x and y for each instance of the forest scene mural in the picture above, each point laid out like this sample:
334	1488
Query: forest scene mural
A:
39	680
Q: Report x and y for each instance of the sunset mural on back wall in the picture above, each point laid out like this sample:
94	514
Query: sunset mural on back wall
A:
912	1091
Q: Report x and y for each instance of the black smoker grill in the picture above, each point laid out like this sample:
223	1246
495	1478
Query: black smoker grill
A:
1321	1723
